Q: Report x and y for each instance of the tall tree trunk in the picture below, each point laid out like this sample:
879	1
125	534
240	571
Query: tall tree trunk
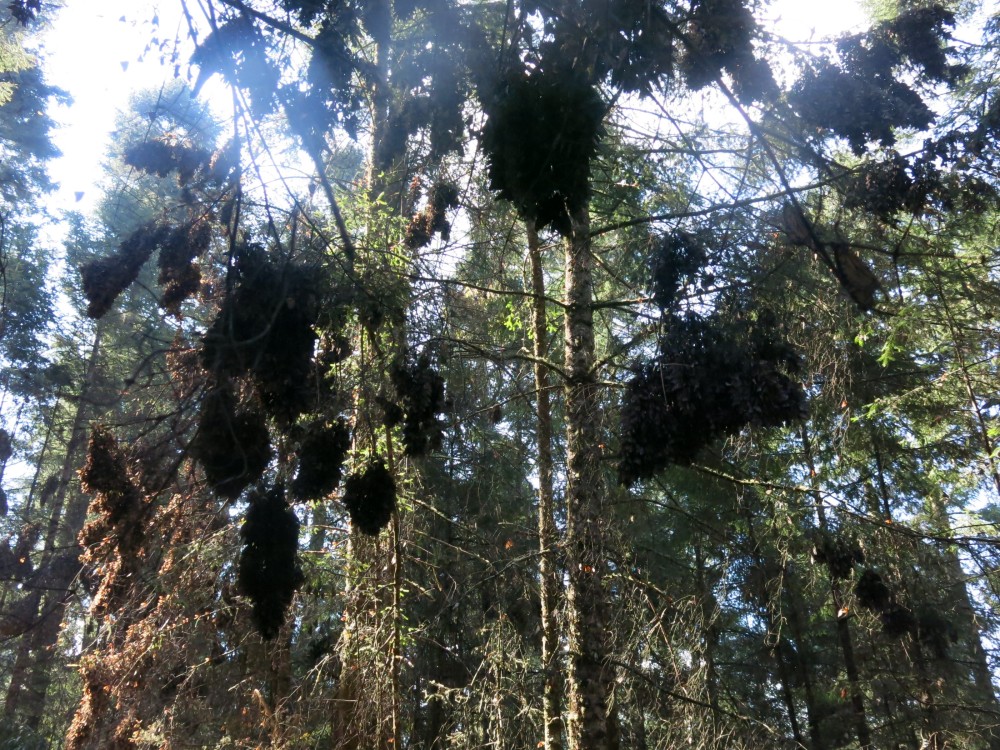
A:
589	675
968	626
547	533
710	637
36	654
367	711
772	616
843	623
793	612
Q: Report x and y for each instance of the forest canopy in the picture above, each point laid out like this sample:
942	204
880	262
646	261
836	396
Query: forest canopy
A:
585	374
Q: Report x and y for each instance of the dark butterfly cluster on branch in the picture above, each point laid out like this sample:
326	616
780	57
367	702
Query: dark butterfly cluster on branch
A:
421	397
269	569
180	243
265	332
321	455
433	218
233	444
171	154
927	625
838	553
627	42
15	561
115	532
259	353
543	130
262	356
105	475
676	257
104	279
6	446
868	94
370	497
938	179
719	37
706	383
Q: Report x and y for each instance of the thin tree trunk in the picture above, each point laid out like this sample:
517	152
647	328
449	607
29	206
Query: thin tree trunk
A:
843	623
968	625
32	671
804	663
589	674
367	712
710	638
547	534
396	654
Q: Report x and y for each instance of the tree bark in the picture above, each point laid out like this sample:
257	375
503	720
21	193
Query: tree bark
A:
547	533
32	671
843	623
968	626
805	666
589	675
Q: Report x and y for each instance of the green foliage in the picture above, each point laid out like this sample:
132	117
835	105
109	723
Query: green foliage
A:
727	570
14	737
26	313
25	129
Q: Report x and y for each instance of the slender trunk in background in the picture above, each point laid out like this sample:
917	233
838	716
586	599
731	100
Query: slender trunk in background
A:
366	709
547	535
385	166
843	623
793	612
967	624
59	564
773	618
396	564
590	676
362	708
710	638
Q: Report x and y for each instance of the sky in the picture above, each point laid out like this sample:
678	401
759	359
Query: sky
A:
100	51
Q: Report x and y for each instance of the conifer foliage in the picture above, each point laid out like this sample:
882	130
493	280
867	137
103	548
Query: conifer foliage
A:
747	585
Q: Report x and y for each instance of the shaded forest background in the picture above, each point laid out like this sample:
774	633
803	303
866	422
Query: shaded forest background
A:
623	375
